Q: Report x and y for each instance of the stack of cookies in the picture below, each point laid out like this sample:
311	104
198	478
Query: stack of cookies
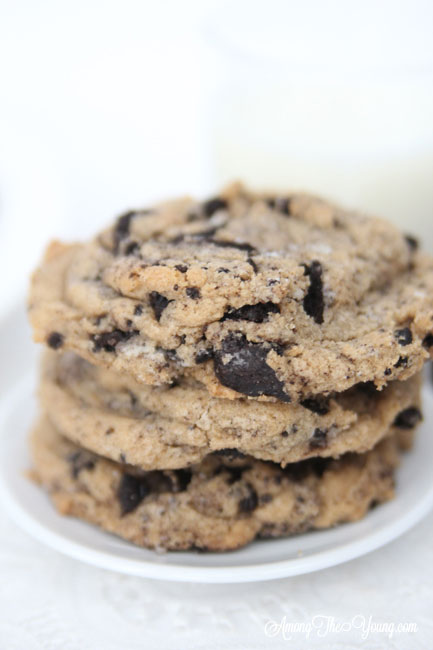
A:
218	371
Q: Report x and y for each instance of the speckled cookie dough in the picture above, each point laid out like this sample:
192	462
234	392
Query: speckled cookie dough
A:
220	504
269	297
173	427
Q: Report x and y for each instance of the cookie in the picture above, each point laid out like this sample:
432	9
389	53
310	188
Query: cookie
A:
219	504
267	297
173	427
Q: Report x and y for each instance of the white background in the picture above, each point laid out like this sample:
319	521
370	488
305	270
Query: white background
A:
106	105
101	108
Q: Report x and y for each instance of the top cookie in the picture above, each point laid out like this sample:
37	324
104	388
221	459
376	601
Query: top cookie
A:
269	297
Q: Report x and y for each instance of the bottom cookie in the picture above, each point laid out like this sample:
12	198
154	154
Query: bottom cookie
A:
220	504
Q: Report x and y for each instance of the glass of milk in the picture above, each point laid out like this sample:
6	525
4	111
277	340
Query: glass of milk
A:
333	97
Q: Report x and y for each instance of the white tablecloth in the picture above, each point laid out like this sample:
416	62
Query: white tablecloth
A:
51	602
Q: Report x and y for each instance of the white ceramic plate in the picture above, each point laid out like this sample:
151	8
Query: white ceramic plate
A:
30	507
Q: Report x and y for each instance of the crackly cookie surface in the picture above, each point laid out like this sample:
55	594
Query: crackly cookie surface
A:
268	297
173	427
220	504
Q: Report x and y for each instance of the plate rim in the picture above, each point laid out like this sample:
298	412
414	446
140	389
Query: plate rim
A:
177	572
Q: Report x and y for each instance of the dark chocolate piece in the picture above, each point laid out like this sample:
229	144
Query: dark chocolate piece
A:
132	248
250	502
193	292
131	492
403	336
402	362
158	302
123	224
80	460
213	205
121	229
108	340
412	242
231	454
241	365
409	418
254	313
428	341
55	340
314	304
